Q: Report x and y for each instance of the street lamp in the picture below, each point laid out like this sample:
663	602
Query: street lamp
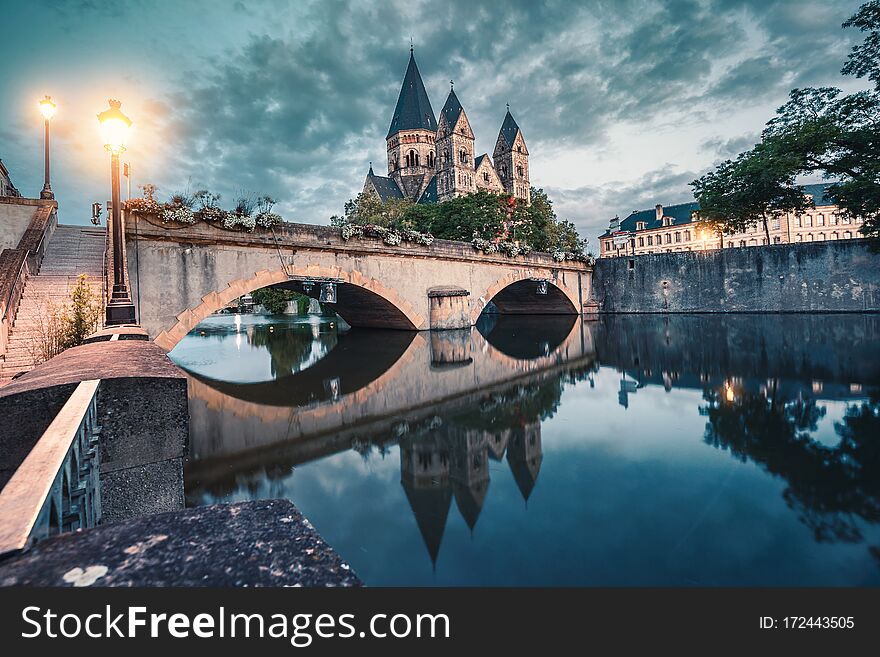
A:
114	128
47	108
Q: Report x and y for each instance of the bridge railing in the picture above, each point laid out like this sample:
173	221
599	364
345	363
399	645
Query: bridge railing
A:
56	488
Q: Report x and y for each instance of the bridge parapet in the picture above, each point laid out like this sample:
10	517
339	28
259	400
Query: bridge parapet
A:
181	273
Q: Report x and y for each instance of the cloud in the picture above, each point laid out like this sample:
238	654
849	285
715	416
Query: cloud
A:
293	100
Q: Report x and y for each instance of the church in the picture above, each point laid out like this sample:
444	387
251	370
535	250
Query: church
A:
431	161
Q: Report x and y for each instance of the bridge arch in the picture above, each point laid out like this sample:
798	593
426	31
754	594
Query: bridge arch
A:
516	294
361	301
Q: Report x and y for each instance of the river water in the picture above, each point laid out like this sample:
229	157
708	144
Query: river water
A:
634	450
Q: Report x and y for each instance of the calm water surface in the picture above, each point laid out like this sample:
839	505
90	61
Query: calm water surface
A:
635	450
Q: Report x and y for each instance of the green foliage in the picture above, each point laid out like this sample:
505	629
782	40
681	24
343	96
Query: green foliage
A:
274	300
864	59
482	215
81	317
818	131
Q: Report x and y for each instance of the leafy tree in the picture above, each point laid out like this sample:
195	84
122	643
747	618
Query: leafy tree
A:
483	214
748	191
274	299
81	317
818	131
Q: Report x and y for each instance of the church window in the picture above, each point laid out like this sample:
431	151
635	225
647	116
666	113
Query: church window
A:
431	160
504	170
519	171
485	176
463	156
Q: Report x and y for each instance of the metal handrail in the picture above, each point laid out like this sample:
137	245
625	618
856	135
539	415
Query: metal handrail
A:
57	486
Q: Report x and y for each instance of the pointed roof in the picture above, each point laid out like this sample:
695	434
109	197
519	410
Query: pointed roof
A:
509	129
430	506
452	109
430	193
385	187
470	499
413	110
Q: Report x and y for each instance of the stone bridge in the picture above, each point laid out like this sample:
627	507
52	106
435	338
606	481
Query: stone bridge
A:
179	275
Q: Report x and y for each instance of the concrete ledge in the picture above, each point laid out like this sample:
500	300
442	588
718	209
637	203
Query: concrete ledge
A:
265	543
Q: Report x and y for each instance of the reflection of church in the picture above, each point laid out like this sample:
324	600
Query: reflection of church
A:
453	461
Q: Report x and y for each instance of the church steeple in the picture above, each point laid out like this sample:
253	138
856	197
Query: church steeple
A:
411	136
511	159
455	151
413	110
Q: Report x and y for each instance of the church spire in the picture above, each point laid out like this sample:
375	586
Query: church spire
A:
413	110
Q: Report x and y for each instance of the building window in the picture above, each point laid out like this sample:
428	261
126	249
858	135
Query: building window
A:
820	219
678	237
777	240
667	221
650	241
847	235
431	159
821	237
834	236
798	238
519	171
774	223
641	225
742	242
641	241
798	221
668	238
485	176
808	220
412	159
687	236
463	156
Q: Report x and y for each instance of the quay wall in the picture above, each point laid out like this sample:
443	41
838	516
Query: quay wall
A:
831	276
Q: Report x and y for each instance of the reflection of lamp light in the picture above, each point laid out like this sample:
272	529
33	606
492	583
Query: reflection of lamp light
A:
328	293
729	395
542	287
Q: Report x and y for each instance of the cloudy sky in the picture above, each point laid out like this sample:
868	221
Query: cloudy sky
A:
622	102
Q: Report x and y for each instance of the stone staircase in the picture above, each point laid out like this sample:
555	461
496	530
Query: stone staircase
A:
72	250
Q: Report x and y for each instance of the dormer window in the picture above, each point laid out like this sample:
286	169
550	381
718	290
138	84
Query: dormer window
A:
641	225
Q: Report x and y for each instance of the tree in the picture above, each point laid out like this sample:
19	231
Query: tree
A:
818	131
483	214
748	191
274	299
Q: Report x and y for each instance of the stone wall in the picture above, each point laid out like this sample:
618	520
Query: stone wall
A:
838	276
143	413
15	217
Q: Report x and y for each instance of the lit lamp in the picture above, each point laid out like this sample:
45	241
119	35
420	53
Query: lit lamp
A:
114	128
47	109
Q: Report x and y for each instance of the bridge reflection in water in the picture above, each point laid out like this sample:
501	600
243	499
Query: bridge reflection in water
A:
626	499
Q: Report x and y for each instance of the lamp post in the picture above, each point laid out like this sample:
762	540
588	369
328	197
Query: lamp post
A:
47	108
114	127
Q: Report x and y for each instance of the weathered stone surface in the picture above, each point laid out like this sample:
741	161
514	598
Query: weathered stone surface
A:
182	274
264	543
142	409
835	276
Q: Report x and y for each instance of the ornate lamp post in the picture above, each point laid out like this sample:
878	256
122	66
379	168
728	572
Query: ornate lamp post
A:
47	108
114	127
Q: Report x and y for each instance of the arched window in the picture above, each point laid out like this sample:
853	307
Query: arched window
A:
431	159
412	159
847	235
485	176
463	156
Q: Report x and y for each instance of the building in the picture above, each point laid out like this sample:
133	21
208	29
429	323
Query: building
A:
6	186
431	161
674	229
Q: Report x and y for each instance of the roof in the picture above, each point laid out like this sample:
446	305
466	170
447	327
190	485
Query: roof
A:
819	193
509	129
430	193
452	109
479	160
385	187
413	110
683	212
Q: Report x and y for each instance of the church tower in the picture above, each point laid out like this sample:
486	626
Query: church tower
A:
411	136
511	159
455	151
